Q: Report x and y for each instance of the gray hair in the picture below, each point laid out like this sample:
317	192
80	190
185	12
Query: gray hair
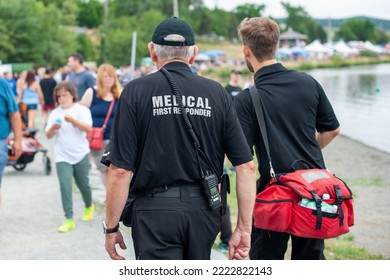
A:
173	52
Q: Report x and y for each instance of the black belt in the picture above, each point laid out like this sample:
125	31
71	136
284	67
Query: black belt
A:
175	191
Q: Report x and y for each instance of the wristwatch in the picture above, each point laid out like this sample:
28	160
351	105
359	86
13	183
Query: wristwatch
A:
107	230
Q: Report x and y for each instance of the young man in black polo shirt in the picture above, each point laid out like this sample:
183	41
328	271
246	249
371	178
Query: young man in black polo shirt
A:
233	87
300	122
152	148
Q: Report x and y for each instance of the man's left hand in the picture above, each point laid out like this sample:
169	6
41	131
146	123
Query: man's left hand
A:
111	240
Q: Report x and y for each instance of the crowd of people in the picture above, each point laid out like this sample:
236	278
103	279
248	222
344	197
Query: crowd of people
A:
169	138
70	105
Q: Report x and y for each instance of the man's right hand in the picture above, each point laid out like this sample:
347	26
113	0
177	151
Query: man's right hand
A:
239	244
17	149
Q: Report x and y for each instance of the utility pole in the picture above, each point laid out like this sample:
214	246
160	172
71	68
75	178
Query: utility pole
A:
175	8
329	32
106	10
133	54
103	44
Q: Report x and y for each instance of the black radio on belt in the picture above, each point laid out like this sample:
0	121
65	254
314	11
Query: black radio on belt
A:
210	186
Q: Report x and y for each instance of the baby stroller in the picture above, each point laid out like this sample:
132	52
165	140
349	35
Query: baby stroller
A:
30	146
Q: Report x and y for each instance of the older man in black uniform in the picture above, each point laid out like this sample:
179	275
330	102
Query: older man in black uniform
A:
300	122
152	148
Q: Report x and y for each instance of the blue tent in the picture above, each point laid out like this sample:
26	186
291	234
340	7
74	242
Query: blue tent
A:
299	52
213	53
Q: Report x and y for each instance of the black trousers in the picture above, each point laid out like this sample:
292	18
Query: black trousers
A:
272	245
174	228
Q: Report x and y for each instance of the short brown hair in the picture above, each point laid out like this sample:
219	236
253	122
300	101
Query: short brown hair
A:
77	56
67	86
261	35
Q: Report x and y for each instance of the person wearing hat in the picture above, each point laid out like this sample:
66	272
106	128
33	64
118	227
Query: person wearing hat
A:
153	156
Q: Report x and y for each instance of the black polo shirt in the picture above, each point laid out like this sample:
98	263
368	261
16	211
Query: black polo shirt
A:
150	138
296	108
233	90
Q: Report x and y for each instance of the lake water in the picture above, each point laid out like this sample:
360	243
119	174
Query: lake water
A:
360	96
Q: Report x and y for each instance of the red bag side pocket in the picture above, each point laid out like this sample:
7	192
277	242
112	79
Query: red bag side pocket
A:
272	210
95	138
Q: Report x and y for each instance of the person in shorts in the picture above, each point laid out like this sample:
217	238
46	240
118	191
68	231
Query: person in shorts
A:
47	84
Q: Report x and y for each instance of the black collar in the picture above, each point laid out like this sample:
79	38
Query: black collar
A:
270	69
177	65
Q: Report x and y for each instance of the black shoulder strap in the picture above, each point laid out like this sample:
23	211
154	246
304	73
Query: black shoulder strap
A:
258	105
187	121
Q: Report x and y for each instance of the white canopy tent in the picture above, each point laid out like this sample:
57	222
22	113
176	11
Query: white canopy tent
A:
369	46
344	50
317	50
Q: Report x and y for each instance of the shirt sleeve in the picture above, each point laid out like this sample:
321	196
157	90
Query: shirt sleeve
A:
326	118
236	149
245	113
91	81
12	107
85	116
122	151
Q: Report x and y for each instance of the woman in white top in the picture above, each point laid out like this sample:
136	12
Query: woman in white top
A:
69	123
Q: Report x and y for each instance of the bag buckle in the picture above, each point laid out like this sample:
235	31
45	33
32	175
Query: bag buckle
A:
271	171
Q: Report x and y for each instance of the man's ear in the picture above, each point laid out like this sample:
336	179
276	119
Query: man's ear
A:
246	51
153	55
192	59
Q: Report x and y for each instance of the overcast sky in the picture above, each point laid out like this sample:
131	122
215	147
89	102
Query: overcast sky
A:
315	8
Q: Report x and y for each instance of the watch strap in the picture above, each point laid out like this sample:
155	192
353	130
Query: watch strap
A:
107	230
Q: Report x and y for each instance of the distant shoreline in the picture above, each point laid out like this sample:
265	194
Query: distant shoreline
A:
356	160
364	144
335	63
365	169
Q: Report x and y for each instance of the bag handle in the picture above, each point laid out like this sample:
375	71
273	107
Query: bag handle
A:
108	114
258	105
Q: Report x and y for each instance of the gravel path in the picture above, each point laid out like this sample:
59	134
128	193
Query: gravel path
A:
367	173
31	208
31	213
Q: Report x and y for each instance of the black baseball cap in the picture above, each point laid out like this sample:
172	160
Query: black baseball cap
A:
171	26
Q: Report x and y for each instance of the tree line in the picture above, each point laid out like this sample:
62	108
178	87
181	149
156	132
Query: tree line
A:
45	32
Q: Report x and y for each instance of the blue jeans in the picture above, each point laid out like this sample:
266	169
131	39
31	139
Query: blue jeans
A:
3	157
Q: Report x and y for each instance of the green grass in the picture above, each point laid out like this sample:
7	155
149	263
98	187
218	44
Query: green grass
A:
342	248
367	182
232	50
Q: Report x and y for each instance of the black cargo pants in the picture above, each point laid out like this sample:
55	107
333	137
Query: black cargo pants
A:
177	224
272	245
